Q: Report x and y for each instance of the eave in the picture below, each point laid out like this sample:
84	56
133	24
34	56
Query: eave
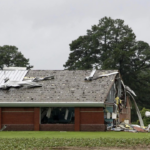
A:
52	104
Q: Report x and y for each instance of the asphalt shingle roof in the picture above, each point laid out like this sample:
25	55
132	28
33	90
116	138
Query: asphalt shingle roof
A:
67	86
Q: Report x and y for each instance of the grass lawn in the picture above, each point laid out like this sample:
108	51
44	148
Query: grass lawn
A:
47	140
68	135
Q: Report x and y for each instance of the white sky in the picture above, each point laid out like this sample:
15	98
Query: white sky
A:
43	29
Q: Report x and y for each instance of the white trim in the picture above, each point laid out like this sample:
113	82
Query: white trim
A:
52	104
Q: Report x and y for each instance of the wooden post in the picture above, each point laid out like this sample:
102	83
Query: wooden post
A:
77	119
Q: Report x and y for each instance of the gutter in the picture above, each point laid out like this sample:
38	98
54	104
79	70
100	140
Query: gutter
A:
52	104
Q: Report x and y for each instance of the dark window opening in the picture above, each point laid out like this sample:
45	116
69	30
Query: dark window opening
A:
62	115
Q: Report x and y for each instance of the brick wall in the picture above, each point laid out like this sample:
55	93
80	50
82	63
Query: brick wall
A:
19	127
27	119
0	119
126	112
56	127
91	116
93	127
36	119
77	119
17	115
20	119
89	119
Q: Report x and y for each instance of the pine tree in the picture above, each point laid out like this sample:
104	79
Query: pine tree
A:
112	45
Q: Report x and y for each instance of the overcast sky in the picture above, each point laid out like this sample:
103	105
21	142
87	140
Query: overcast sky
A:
43	29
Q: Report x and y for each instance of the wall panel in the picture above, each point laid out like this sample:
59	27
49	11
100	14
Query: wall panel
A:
36	119
77	119
91	116
17	116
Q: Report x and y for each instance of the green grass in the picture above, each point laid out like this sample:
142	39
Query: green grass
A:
45	140
68	135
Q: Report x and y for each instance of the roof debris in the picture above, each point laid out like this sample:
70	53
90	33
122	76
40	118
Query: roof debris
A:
129	90
89	78
105	75
129	128
12	75
27	83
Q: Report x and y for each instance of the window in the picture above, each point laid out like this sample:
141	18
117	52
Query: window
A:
52	115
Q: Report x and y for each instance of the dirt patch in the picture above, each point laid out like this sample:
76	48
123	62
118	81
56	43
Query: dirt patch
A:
99	148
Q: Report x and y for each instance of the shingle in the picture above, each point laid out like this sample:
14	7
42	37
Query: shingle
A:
67	86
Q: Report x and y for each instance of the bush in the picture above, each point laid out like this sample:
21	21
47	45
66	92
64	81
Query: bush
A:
146	120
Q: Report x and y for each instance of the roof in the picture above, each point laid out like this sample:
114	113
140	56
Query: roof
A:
67	87
13	75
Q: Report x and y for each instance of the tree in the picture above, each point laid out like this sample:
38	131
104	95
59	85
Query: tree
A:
113	45
10	56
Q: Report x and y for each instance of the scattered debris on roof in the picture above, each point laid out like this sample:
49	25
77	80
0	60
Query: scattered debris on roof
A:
12	75
27	83
105	75
68	86
14	68
89	78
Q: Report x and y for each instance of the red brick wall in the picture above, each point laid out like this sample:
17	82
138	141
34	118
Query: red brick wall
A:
17	115
36	119
93	127
91	116
0	119
56	127
77	119
19	127
20	119
27	119
126	112
89	119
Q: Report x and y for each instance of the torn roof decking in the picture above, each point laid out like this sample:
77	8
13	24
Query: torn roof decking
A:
66	87
13	75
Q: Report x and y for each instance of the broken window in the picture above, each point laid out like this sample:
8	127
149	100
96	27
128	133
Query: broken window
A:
57	115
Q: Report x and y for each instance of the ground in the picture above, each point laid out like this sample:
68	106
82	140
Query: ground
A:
99	148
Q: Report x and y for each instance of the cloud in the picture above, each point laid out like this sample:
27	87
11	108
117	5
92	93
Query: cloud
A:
43	30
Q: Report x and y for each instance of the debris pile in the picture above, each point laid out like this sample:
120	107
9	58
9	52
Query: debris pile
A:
129	128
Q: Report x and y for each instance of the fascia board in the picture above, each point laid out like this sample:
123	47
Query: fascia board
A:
52	104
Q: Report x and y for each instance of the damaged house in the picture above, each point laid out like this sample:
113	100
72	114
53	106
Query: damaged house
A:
62	100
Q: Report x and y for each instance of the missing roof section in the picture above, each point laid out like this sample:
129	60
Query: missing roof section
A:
12	74
14	77
14	68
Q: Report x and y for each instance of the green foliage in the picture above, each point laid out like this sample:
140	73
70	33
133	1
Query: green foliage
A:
11	57
146	120
112	45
